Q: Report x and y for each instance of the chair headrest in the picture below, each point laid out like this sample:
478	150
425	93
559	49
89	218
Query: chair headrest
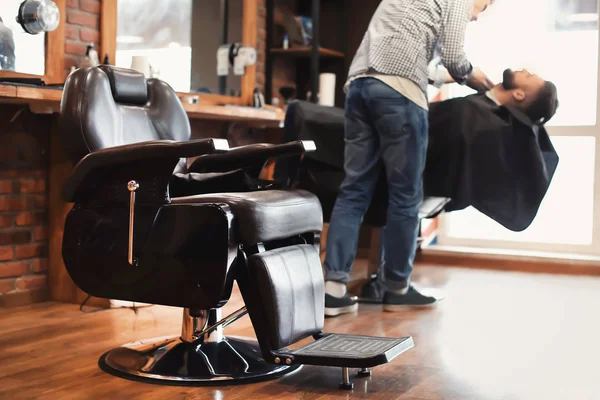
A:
127	86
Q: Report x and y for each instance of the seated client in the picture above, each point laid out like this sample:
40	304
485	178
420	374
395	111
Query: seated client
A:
488	150
491	150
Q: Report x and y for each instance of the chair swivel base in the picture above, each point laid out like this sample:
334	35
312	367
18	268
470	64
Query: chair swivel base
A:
172	361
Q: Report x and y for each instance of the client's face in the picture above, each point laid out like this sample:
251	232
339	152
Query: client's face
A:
523	84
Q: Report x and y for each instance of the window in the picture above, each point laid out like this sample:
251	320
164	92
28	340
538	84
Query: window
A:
565	214
557	39
559	44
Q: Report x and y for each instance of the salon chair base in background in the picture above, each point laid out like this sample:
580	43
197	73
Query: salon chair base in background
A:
201	356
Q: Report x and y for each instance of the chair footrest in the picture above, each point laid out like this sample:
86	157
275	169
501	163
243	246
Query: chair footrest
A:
432	206
351	351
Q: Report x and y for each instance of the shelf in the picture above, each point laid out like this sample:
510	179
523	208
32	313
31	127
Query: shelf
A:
306	51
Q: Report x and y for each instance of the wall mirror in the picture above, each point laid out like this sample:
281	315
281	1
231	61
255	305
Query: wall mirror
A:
31	56
19	51
179	40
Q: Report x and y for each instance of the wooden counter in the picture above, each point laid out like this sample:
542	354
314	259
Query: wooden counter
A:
270	117
46	100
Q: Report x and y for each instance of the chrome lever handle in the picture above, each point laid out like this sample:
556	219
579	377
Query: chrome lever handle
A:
132	186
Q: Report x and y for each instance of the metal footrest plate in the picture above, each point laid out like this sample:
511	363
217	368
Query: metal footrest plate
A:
352	351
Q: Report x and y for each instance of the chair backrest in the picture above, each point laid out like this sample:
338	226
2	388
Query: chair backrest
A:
322	171
106	106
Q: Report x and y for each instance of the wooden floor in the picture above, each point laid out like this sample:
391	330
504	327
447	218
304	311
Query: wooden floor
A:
496	336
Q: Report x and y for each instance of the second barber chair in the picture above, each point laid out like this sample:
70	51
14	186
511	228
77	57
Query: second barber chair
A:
146	228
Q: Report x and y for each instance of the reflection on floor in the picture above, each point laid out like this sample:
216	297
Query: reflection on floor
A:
497	335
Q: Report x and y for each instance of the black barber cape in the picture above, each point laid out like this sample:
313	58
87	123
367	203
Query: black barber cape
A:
479	154
490	157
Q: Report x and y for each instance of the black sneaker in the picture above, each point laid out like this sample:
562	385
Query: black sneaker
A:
339	305
398	302
372	291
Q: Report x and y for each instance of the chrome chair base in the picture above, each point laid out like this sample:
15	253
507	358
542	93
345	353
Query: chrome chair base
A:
172	361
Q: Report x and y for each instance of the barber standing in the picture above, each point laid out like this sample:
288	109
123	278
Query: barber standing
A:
386	126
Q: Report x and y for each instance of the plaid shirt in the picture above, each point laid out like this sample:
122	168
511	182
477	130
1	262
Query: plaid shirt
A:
402	37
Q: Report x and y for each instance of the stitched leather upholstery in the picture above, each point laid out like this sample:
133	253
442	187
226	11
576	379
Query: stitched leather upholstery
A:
267	215
292	292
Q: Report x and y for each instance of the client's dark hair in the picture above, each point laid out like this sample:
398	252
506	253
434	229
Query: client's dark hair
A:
543	108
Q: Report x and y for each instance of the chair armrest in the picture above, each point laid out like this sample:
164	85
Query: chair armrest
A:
151	161
251	156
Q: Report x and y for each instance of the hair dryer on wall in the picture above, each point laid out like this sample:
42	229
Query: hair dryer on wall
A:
36	16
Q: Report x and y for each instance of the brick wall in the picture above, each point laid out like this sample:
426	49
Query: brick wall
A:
24	168
83	25
24	140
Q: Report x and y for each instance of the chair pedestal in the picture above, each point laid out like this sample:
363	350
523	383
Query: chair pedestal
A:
211	358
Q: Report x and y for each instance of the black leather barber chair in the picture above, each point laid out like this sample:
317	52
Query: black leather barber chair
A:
146	228
322	171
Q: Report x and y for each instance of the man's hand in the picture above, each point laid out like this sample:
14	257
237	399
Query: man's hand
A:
479	81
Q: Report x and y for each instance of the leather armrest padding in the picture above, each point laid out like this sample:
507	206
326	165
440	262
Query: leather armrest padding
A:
254	155
115	157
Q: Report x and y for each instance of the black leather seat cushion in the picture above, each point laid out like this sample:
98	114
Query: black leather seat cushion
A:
267	215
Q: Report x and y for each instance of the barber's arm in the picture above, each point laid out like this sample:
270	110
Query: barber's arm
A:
438	74
452	51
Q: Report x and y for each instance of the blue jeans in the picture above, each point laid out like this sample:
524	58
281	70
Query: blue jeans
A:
383	129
